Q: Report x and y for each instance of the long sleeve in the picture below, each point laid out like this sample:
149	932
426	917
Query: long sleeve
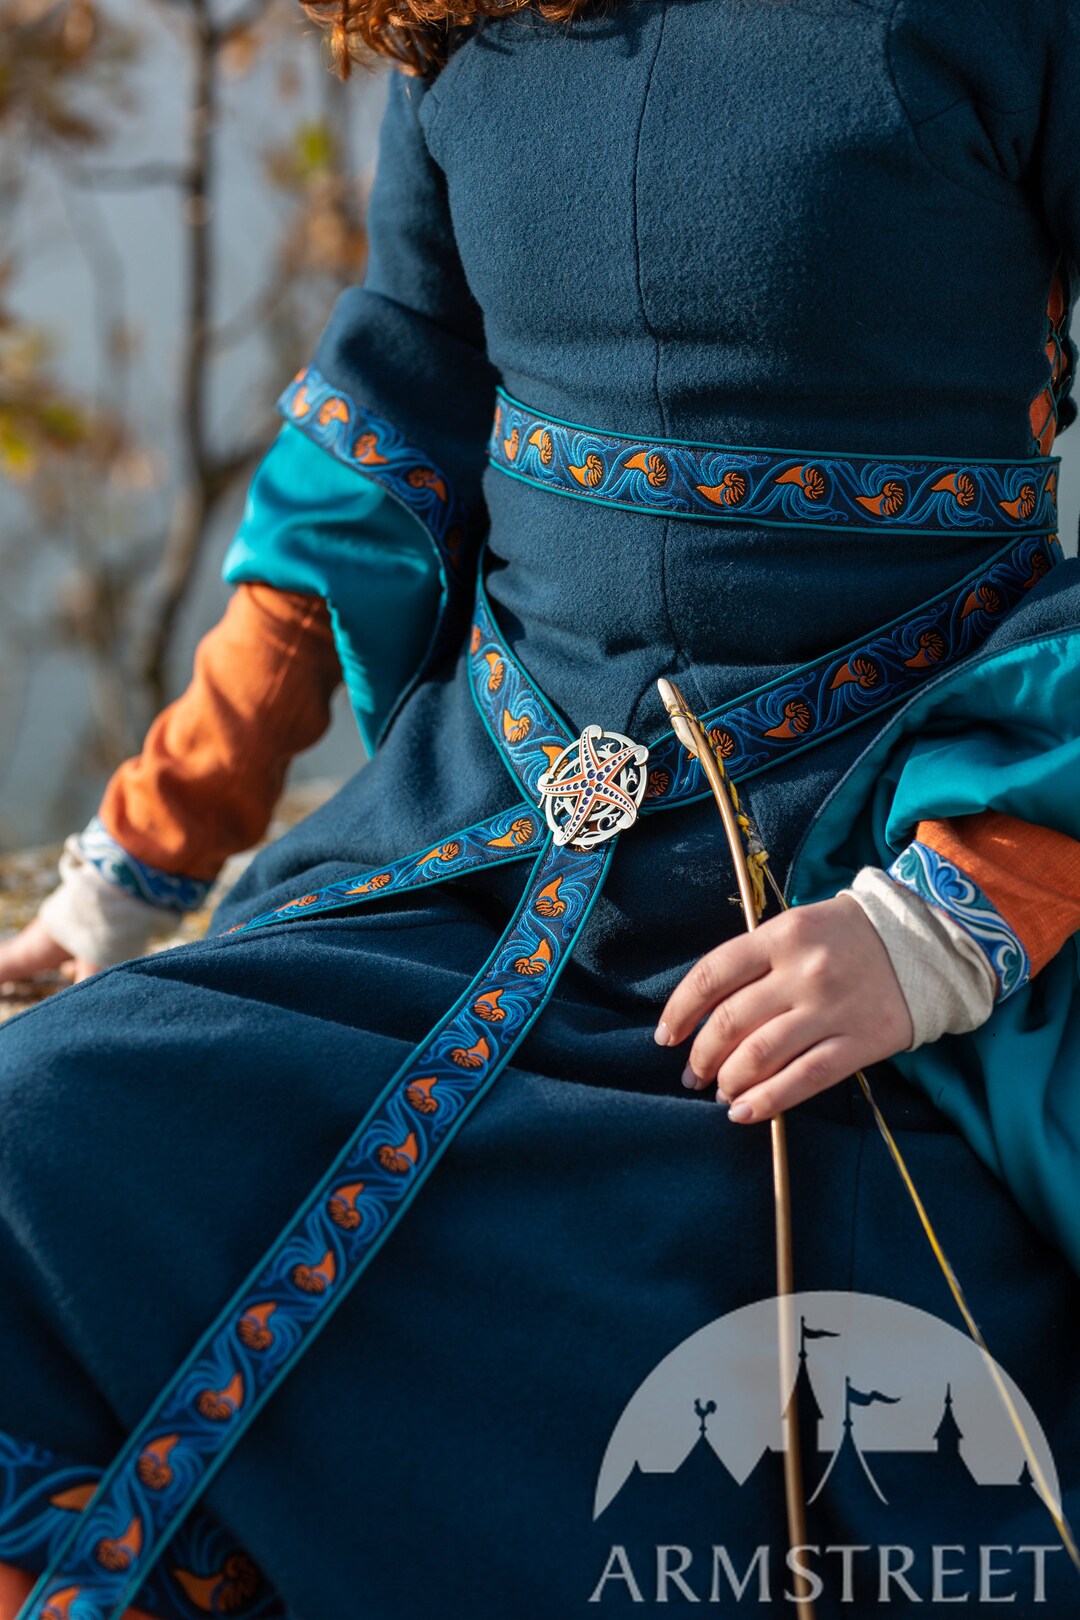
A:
1013	884
1010	885
213	763
368	508
407	348
372	494
206	780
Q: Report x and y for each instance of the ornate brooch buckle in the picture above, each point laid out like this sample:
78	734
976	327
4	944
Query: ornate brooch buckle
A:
593	789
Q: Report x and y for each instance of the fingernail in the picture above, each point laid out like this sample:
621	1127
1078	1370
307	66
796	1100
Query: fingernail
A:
740	1112
690	1080
662	1034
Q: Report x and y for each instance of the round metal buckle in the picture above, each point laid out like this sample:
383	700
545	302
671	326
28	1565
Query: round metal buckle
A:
593	789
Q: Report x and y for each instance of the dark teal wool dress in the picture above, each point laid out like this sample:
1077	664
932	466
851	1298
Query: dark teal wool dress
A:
829	226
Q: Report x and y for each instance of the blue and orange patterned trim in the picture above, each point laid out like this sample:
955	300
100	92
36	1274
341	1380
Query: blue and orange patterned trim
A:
782	718
1047	412
202	1571
760	729
739	484
527	732
320	1255
165	890
945	885
361	439
516	834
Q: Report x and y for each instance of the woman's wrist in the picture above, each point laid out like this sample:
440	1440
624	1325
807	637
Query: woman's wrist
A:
109	907
96	847
947	979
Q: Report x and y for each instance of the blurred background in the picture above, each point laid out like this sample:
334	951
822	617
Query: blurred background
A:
182	195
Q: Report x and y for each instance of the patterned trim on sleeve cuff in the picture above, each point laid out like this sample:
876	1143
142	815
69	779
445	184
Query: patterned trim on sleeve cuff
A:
165	890
357	436
946	886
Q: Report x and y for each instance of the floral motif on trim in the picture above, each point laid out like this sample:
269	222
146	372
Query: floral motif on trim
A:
117	865
370	444
202	1571
740	484
945	885
322	1252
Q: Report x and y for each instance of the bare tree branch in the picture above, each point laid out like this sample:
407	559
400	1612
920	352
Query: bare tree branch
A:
244	17
108	274
193	498
118	600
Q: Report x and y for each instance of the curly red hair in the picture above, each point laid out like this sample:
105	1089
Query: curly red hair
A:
416	35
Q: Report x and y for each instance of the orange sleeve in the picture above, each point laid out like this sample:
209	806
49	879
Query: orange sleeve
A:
214	762
1030	873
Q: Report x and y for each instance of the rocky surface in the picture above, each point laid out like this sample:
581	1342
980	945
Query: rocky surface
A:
26	876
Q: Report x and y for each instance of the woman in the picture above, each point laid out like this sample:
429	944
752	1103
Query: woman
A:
673	234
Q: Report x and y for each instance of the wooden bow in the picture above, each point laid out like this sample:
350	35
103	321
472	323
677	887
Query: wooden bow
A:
752	871
749	874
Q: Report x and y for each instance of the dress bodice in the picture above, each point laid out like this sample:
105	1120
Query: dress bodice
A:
770	222
822	224
759	223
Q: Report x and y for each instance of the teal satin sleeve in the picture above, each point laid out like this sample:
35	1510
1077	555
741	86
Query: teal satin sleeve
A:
1002	732
315	525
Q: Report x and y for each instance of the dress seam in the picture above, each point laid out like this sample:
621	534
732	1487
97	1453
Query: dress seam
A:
649	327
915	126
682	663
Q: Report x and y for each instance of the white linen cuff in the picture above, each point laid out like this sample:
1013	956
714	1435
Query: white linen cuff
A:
948	984
98	920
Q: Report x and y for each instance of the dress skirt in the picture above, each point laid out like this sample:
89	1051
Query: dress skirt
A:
439	1448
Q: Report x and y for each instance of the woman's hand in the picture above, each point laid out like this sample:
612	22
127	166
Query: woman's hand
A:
798	1005
34	951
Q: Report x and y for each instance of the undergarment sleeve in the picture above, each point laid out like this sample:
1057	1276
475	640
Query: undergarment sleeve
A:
206	781
214	761
1030	873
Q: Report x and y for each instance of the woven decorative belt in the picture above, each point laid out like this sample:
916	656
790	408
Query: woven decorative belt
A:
737	484
578	796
